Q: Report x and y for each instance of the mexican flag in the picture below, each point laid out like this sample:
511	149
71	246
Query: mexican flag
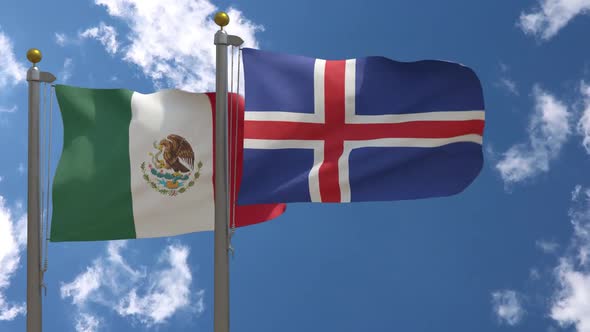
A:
141	165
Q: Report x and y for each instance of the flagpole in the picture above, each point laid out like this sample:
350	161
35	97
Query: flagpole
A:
221	262
34	77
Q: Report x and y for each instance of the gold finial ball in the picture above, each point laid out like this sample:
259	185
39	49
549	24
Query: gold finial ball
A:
221	19
34	55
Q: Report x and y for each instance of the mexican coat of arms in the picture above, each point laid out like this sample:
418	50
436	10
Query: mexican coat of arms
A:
171	168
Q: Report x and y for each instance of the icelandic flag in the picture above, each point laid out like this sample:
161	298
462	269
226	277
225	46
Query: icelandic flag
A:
366	129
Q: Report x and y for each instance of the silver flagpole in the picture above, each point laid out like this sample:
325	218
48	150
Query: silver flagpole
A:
34	77
221	261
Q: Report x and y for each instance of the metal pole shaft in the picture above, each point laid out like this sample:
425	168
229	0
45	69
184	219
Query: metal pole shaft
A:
34	316
221	263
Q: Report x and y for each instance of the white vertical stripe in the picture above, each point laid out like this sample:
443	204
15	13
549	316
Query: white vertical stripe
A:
319	70
154	117
343	175
314	175
349	89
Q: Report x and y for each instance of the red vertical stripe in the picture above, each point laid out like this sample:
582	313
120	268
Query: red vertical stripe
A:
334	144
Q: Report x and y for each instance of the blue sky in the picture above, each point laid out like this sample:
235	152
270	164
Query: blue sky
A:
511	253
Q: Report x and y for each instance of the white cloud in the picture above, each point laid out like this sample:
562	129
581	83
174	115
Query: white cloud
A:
85	284
105	34
11	71
61	39
9	109
547	247
168	52
149	296
66	72
87	323
509	85
584	123
548	130
12	243
576	192
505	81
504	67
21	169
167	292
571	305
546	20
580	219
106	276
507	306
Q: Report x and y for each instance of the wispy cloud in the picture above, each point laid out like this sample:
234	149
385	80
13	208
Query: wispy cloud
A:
66	72
505	82
548	247
147	296
580	194
576	193
507	307
9	109
548	130
61	39
168	291
168	53
21	169
570	305
550	16
11	71
87	323
105	34
12	242
509	85
584	123
84	284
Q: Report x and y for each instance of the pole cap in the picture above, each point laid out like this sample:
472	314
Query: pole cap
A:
221	19
34	55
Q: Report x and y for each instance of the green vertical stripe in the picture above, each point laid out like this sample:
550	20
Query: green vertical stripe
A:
92	184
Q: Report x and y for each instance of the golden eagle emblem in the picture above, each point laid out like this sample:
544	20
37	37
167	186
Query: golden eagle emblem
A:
171	169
